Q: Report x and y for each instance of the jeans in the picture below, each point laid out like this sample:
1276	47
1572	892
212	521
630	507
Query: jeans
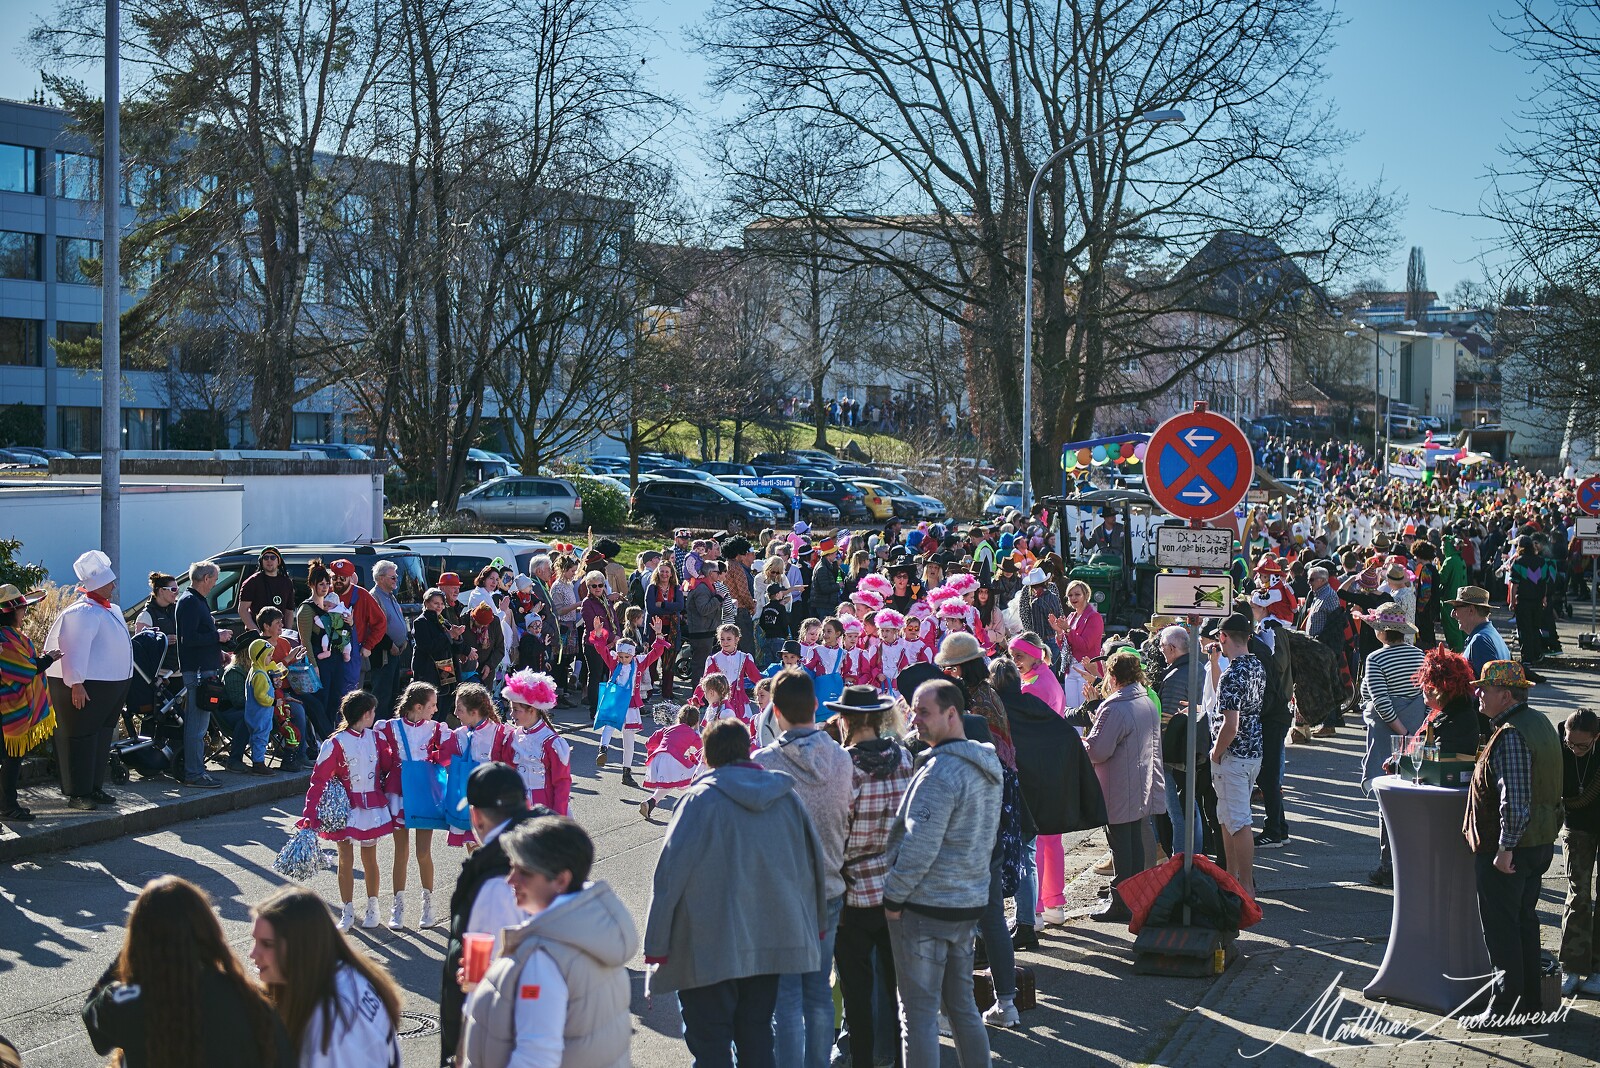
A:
258	725
351	669
933	965
383	682
803	1023
1028	886
331	668
1127	849
1270	778
1180	841
196	722
865	958
996	942
1508	906
735	1014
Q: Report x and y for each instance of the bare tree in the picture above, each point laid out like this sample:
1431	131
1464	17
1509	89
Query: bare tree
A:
1546	199
951	108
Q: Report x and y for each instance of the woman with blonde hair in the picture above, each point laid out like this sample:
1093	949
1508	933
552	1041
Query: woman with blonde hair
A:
177	997
340	1007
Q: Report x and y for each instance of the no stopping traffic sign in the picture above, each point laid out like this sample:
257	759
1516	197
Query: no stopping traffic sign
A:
1198	465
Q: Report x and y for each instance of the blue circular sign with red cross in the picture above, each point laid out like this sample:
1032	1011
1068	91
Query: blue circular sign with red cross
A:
1198	465
1589	495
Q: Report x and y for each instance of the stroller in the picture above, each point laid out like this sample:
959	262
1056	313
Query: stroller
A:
153	715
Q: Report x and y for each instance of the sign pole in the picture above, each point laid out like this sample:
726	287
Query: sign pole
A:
1594	579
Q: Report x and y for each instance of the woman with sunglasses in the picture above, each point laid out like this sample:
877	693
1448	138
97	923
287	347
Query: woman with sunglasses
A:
160	613
595	611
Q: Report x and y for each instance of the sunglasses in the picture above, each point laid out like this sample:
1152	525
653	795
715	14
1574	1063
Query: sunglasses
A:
172	589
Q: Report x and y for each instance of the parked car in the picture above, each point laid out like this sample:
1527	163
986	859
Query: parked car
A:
42	453
1310	488
665	503
483	466
333	450
1005	495
771	461
909	504
236	565
777	510
609	481
525	501
721	467
1430	422
679	473
467	554
879	506
842	495
19	458
818	513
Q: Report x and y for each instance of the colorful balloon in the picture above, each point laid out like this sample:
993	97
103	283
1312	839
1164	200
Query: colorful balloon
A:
1139	451
1127	448
1084	456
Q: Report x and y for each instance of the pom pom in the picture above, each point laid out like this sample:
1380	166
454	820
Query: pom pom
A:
333	810
300	858
529	687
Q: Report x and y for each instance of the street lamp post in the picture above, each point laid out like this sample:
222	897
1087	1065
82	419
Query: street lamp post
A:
111	298
1167	115
1380	454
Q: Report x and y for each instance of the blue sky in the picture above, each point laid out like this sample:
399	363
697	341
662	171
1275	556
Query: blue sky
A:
1426	83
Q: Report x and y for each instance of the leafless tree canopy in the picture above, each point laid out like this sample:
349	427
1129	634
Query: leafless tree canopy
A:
944	111
1546	197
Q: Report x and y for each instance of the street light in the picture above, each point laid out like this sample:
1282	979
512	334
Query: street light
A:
1153	117
1380	455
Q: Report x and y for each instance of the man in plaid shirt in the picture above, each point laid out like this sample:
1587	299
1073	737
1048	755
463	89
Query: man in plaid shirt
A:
882	770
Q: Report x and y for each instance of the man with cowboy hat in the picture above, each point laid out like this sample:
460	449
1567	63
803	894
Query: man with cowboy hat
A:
1513	816
1470	609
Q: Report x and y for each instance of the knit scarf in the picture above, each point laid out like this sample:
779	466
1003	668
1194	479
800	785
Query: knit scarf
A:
26	718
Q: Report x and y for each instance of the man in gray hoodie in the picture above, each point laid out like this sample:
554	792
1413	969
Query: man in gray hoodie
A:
938	882
739	899
823	774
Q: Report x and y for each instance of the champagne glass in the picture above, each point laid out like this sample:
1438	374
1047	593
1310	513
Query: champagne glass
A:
1416	764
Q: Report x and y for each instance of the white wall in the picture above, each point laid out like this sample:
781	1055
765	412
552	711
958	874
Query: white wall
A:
164	528
295	508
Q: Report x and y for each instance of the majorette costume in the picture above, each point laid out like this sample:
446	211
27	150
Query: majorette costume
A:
739	669
894	657
363	762
428	742
1269	577
671	757
636	672
471	746
541	756
859	666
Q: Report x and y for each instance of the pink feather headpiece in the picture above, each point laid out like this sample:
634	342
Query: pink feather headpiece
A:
953	610
867	599
939	594
963	584
890	618
529	687
852	626
875	583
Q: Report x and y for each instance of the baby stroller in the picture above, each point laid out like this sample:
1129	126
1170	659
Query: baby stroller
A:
153	715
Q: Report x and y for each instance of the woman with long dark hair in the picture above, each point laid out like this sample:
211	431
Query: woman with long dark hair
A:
176	997
664	601
324	991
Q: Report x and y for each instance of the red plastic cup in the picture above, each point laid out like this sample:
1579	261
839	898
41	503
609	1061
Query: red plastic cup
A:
476	952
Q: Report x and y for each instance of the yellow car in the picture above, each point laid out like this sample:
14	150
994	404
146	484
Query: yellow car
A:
878	506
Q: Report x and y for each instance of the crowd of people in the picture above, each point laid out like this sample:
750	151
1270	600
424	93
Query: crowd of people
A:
870	742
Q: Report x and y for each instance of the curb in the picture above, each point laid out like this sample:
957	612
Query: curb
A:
71	834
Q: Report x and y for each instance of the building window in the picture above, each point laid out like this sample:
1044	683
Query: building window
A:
139	184
19	255
77	176
19	169
311	427
80	429
74	335
70	254
20	342
144	428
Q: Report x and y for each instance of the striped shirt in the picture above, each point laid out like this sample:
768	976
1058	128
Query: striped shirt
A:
1387	684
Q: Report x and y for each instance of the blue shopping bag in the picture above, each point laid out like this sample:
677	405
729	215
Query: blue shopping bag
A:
456	814
422	790
615	697
829	687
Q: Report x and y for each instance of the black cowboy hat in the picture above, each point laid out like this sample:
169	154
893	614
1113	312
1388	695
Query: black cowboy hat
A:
859	699
914	675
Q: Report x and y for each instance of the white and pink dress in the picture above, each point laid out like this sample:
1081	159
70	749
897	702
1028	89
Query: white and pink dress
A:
362	762
425	741
672	756
544	760
740	668
478	745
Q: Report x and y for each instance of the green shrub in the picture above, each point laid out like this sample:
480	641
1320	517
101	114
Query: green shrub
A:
604	508
21	575
417	519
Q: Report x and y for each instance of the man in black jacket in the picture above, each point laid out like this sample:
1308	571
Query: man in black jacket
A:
482	902
1271	644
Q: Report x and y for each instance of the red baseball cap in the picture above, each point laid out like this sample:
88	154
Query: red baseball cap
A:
342	567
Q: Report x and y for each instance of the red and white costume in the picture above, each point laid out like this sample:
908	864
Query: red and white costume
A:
739	668
894	657
544	760
429	740
362	762
641	673
860	668
672	755
485	742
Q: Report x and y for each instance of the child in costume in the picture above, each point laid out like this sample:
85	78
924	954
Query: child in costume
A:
859	667
827	658
261	699
735	665
361	761
631	672
417	738
541	756
481	738
895	654
672	757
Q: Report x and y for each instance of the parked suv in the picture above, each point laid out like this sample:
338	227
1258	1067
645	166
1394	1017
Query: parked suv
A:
842	495
236	565
525	501
664	503
467	554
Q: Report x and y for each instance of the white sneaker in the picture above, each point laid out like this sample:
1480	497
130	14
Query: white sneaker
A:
1001	1014
428	919
1569	984
371	918
347	917
1590	984
1055	916
1107	865
397	914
